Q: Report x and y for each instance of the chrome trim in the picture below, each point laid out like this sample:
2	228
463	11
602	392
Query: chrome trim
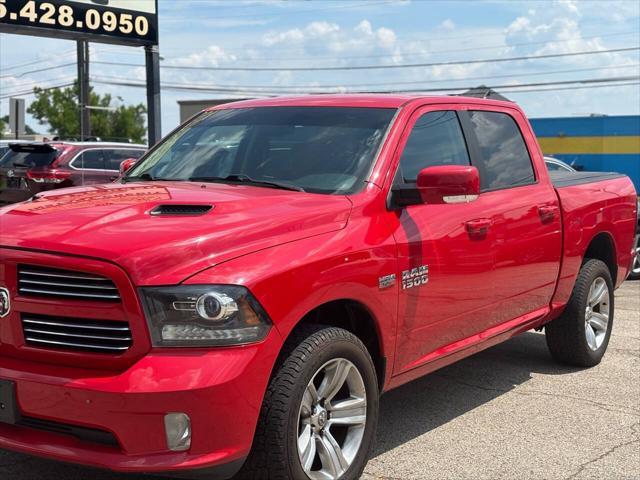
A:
75	325
69	285
459	198
69	294
60	275
79	345
75	335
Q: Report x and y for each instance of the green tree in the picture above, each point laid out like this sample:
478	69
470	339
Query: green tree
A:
59	109
4	125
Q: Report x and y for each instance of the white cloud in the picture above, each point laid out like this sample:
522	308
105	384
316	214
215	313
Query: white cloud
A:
212	56
386	37
448	24
321	29
364	28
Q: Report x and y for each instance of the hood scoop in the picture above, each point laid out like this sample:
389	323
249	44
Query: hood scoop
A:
180	210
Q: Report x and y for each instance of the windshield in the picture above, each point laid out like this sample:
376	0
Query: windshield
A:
23	156
317	149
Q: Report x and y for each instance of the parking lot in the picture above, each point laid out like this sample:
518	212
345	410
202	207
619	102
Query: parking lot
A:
505	413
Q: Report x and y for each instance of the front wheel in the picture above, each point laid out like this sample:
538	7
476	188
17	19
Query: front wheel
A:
319	414
581	334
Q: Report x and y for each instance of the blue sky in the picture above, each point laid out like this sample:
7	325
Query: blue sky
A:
347	33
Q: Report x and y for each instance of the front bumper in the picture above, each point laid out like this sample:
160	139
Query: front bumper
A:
220	389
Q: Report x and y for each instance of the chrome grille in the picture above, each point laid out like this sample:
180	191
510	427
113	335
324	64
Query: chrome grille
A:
43	281
76	334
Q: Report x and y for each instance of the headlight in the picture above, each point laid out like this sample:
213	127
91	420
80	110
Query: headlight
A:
203	315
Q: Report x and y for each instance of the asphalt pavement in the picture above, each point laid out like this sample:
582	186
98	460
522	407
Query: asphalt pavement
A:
507	413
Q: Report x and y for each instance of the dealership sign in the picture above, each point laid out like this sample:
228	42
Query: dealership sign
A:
127	22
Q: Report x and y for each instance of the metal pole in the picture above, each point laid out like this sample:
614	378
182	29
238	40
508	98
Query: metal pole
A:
152	60
83	88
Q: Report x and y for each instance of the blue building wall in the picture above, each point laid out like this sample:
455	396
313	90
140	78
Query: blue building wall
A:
605	143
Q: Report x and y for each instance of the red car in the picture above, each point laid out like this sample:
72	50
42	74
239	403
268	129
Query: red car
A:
241	298
30	168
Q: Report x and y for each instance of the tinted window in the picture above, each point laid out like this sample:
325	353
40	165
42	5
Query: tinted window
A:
504	160
29	157
554	167
113	158
436	139
557	167
90	159
320	149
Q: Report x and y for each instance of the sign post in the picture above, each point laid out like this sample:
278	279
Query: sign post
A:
121	22
152	61
83	89
16	116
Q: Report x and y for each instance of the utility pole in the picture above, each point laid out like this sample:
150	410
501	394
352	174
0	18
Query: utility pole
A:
83	86
152	61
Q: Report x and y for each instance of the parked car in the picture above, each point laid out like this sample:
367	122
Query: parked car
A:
30	168
240	299
555	165
4	145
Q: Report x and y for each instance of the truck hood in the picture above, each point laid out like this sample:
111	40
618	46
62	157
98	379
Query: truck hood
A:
114	222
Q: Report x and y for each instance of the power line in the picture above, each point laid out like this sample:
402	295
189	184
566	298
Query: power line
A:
430	36
435	52
238	91
379	67
392	83
309	10
36	62
44	69
30	92
574	88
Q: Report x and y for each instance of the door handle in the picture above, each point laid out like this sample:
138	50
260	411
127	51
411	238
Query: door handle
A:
547	213
478	228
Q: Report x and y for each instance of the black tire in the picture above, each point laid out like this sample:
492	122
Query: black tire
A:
635	269
274	454
566	336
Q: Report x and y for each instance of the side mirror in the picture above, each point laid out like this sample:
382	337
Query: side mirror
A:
440	184
127	164
448	184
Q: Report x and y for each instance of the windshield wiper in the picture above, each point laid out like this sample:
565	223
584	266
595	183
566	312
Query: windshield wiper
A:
247	179
146	177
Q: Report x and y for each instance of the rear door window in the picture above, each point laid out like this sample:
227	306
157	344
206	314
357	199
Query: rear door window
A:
90	160
504	159
436	139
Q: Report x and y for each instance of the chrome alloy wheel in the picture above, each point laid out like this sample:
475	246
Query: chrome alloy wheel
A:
597	313
635	269
332	420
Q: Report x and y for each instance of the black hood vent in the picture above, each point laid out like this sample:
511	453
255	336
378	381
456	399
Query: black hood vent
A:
180	210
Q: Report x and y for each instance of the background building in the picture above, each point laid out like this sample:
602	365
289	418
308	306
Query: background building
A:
597	143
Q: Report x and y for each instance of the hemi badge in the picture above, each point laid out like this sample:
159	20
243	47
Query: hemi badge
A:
387	281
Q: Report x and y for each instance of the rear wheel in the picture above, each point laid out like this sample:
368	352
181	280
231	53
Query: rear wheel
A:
635	269
320	411
581	335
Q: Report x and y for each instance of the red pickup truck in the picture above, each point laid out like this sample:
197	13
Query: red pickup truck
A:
241	298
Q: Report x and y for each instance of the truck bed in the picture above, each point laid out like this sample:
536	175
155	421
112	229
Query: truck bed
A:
594	204
568	179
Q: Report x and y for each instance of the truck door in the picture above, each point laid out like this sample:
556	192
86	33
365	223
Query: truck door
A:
523	208
446	256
